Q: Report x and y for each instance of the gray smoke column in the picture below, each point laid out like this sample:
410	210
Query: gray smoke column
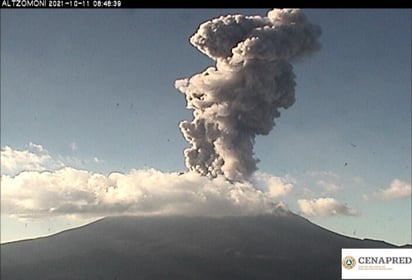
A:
240	96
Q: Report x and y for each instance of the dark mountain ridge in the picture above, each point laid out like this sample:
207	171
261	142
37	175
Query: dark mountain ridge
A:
284	246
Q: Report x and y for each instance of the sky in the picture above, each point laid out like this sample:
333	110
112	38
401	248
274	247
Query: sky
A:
90	123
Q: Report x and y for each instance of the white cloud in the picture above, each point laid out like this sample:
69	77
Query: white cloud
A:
37	158
274	186
326	182
397	190
328	186
305	192
73	146
36	147
15	161
325	206
357	180
70	191
34	184
323	174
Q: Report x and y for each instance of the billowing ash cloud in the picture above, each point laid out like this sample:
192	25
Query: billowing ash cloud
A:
241	95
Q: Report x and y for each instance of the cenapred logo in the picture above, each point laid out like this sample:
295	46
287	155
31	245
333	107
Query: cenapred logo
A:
348	262
376	263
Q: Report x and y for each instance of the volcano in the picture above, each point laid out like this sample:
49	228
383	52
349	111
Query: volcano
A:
277	246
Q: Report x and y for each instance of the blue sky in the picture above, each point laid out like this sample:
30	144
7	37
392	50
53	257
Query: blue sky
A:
94	90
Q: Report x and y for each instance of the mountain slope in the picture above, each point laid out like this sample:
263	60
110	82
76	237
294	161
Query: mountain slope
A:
253	247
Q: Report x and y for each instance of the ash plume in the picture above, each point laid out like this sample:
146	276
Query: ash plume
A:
241	95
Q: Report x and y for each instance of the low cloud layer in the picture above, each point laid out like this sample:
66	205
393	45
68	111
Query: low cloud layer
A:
39	191
36	158
325	206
